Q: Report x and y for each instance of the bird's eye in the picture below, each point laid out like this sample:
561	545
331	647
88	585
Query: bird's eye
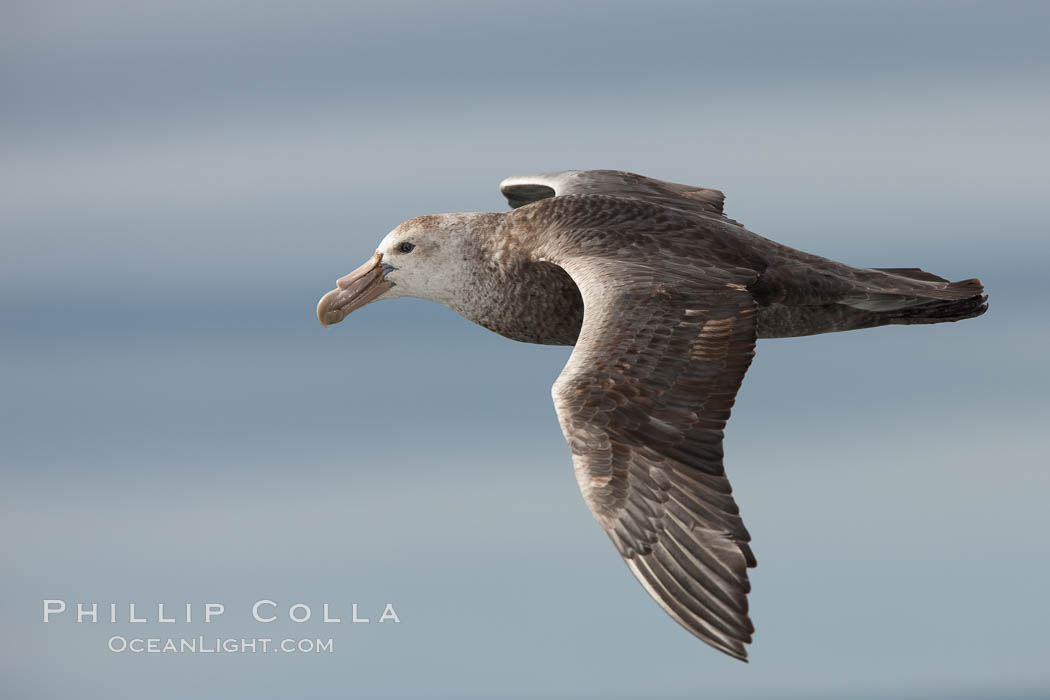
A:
406	247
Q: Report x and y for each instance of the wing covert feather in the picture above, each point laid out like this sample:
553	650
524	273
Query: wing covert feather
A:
643	402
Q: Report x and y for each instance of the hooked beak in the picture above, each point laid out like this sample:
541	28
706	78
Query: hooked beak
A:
365	284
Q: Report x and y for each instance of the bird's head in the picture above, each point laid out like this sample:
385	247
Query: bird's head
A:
427	257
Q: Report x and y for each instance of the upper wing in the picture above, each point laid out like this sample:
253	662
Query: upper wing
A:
525	189
643	402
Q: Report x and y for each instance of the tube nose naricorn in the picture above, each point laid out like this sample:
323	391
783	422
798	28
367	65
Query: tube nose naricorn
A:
363	285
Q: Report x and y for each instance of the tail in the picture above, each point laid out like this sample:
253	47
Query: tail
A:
950	301
864	298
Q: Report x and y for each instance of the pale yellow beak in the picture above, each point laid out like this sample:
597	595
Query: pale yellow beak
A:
363	285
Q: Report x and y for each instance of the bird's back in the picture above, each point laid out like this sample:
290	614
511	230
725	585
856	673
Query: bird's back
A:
798	293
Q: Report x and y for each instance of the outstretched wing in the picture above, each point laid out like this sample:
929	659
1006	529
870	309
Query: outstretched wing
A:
643	402
526	189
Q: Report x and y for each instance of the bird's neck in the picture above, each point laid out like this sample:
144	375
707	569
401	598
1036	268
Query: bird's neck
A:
517	296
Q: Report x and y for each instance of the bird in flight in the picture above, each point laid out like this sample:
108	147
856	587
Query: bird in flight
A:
663	297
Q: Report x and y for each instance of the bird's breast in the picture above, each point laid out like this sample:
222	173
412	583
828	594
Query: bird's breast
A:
535	302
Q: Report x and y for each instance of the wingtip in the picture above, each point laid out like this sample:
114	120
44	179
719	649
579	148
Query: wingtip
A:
738	654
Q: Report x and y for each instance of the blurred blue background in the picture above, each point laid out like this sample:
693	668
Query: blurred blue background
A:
181	181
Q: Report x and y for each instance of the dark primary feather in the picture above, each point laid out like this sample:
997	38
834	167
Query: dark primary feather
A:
643	402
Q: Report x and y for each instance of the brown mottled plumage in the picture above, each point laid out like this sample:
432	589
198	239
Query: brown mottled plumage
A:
664	298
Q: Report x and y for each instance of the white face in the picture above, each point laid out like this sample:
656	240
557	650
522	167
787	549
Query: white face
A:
426	257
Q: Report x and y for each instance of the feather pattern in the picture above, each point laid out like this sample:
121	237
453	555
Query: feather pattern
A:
643	402
674	298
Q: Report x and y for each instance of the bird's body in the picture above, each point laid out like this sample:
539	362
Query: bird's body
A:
664	298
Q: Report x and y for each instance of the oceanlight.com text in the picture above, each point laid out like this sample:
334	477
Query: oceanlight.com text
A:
218	645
